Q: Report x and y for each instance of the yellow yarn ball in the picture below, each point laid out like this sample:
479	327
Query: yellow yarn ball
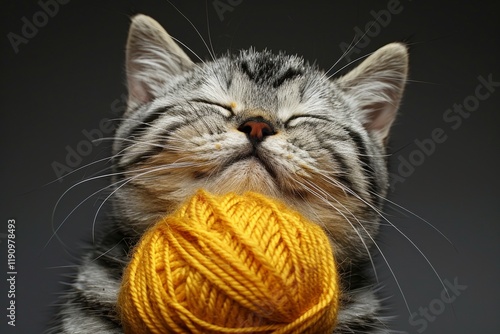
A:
231	264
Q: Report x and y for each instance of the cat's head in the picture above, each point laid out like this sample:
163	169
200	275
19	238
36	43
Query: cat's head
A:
256	121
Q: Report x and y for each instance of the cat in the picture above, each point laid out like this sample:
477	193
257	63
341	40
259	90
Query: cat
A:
252	121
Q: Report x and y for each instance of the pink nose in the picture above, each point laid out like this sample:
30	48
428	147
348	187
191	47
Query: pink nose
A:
256	130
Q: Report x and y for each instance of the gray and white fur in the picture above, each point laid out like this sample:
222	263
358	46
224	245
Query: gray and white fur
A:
322	152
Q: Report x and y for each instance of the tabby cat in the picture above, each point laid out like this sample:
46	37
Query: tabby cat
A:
255	121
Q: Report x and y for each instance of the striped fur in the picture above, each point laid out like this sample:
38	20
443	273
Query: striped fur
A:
325	158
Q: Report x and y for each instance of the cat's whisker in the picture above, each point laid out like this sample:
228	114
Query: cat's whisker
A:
63	267
349	64
107	251
208	30
78	169
152	170
56	230
190	50
81	182
195	29
347	51
364	244
54	234
147	125
379	250
386	76
85	180
352	154
415	215
393	226
136	142
316	214
325	200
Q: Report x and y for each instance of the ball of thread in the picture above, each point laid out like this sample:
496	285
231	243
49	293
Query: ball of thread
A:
231	264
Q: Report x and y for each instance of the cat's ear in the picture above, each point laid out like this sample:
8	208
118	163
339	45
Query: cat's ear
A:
151	58
375	87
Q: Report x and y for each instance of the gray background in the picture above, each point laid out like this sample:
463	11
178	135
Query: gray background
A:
69	76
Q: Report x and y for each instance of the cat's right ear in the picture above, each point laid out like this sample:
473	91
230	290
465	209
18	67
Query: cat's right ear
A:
152	57
375	87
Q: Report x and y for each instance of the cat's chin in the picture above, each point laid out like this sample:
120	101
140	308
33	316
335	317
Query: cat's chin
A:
250	174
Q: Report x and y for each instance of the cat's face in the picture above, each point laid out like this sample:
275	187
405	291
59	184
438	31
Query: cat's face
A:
256	122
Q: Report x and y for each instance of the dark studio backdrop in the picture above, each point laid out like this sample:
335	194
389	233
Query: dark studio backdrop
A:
62	79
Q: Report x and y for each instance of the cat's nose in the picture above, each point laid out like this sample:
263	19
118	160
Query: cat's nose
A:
257	129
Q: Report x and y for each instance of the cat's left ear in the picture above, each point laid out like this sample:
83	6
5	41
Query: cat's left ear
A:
376	86
152	57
